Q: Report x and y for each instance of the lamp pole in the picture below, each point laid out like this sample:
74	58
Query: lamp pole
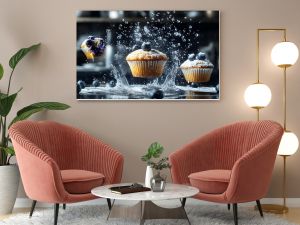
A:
284	182
258	58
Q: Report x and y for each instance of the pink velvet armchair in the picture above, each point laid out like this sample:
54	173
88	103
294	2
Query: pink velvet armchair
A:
230	165
60	164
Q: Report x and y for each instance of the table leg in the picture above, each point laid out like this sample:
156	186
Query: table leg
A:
142	221
110	209
147	210
153	211
130	212
186	216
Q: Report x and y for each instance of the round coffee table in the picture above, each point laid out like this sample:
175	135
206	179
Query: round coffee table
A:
145	209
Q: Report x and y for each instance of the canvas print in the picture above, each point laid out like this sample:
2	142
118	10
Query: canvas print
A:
148	55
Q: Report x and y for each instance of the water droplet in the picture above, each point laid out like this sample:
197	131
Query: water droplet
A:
146	29
177	34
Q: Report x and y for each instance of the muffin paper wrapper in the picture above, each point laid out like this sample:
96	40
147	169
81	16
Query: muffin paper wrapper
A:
197	74
146	68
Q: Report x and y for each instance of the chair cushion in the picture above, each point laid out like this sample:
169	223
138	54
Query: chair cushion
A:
81	181
211	181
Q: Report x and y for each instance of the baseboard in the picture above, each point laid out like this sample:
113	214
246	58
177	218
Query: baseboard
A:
291	202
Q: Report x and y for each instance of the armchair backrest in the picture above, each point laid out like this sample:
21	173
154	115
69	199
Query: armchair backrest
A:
56	140
235	140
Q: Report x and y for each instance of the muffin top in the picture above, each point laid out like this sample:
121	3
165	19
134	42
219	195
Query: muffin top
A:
198	61
146	53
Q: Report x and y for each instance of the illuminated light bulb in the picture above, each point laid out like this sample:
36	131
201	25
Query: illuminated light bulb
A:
289	144
284	54
257	95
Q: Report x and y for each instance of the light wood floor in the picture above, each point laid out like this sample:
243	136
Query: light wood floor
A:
293	215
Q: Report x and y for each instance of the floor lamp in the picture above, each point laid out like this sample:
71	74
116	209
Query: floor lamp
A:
284	54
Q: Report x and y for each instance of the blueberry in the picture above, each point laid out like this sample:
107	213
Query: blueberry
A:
89	43
102	46
96	83
194	85
157	94
201	56
81	84
97	51
146	46
91	37
112	83
135	47
191	57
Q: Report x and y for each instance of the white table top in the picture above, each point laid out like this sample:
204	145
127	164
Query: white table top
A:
172	191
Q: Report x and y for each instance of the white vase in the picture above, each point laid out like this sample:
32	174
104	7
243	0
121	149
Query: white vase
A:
148	176
9	183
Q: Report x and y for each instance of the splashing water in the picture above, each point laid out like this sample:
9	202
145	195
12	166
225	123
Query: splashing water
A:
121	79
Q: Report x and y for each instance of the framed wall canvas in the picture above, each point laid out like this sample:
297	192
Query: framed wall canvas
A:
148	55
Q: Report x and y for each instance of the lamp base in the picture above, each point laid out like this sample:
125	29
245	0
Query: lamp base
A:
276	209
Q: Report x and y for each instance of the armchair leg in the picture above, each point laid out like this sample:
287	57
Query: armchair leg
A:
228	206
64	206
56	209
235	213
32	208
108	203
259	208
183	202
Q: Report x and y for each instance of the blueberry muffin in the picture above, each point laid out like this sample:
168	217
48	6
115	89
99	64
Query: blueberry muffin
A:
93	48
146	62
197	69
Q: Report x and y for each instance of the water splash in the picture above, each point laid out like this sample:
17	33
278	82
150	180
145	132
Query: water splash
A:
170	79
120	78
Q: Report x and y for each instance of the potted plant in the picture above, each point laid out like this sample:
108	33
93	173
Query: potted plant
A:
9	173
156	182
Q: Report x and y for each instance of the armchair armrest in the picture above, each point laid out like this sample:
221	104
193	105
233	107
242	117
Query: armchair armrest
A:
251	174
40	174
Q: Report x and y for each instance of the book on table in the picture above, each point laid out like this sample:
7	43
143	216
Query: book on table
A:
126	189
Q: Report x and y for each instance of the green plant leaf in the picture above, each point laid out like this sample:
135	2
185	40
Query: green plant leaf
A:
6	103
16	58
2	95
155	150
9	150
27	111
1	71
44	105
145	158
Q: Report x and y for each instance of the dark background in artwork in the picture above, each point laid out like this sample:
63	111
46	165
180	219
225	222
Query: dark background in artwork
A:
176	33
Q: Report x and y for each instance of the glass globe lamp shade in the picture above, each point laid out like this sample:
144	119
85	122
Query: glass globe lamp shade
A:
289	144
284	54
258	95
